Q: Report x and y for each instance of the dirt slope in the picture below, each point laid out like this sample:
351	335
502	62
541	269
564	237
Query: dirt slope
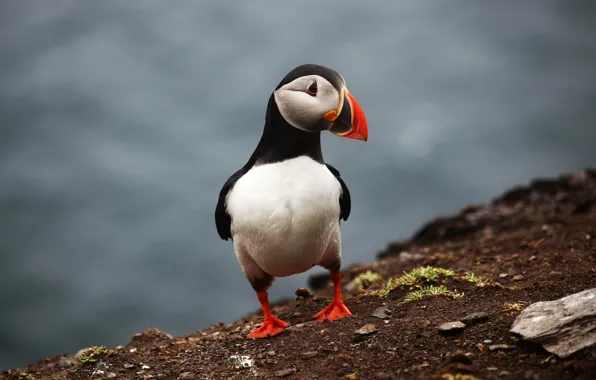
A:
535	242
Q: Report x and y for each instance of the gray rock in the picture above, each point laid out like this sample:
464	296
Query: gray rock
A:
285	372
473	318
563	326
381	312
518	277
367	329
186	376
451	327
501	347
128	365
309	354
111	375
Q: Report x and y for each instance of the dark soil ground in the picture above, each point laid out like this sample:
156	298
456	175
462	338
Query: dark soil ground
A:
543	233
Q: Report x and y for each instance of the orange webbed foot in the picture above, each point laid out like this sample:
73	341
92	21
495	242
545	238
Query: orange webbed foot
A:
335	310
270	327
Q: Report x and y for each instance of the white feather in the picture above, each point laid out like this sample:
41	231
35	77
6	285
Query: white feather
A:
285	217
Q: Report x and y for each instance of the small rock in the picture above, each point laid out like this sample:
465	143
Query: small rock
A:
133	350
451	327
501	347
304	293
518	277
461	357
128	365
367	329
309	354
381	312
271	353
186	376
111	375
65	362
241	361
145	367
488	341
503	275
473	318
285	372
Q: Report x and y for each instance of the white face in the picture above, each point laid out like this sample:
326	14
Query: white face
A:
302	107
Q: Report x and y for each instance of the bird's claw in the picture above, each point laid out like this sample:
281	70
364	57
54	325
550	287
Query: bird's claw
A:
270	327
335	310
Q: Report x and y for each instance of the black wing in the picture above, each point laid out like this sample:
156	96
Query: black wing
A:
345	202
223	220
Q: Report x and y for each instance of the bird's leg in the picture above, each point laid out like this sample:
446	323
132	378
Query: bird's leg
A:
336	309
271	326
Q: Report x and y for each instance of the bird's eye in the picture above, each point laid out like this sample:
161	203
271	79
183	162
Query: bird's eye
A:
312	89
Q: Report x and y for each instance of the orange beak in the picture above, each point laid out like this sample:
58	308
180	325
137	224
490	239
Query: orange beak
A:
350	121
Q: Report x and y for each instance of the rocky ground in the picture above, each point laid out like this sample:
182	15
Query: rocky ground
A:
533	243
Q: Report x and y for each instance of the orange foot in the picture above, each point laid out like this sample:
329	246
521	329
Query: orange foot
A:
270	327
335	310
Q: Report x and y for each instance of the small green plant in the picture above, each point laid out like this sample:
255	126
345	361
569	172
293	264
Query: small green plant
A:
425	274
431	291
391	284
89	355
364	280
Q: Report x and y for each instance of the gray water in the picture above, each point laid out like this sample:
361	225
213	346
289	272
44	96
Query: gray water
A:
120	121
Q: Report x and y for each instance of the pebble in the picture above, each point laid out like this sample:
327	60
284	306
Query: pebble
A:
271	353
501	347
186	376
518	277
145	367
309	354
367	329
450	327
111	375
381	312
285	372
461	357
503	275
128	365
133	350
488	341
473	318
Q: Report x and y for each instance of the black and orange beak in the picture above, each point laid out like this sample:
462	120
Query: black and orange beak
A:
348	120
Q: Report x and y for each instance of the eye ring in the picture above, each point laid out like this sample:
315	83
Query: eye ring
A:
313	89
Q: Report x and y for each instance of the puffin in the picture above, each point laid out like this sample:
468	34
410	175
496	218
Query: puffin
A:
282	209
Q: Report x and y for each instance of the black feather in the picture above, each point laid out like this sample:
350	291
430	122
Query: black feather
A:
345	202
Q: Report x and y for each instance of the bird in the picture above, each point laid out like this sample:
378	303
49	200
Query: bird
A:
283	208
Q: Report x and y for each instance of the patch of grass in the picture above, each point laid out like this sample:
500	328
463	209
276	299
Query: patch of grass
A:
391	284
417	278
512	308
366	279
477	280
425	274
431	291
90	355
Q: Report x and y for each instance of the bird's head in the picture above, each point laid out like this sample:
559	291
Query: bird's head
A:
315	98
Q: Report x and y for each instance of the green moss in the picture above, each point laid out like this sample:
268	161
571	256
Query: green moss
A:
20	375
90	355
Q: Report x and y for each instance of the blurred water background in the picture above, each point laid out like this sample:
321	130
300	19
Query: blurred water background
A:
120	121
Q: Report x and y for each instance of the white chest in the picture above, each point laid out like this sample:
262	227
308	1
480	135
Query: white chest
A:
284	213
